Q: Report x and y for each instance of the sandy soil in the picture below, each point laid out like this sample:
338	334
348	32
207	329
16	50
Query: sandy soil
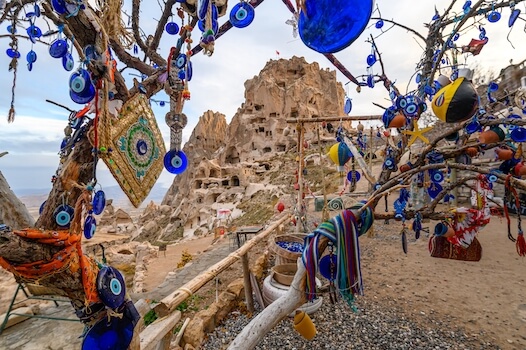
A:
486	297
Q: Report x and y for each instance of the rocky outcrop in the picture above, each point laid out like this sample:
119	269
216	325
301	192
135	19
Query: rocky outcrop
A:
228	164
13	212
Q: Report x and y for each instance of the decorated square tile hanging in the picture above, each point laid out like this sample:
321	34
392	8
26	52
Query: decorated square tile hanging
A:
136	159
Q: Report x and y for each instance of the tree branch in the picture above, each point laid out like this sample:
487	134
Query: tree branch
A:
401	26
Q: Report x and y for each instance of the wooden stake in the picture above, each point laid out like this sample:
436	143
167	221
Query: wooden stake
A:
246	281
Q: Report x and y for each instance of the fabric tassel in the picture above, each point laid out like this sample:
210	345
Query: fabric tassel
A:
521	244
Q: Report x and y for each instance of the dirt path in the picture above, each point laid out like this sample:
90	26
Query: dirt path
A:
160	267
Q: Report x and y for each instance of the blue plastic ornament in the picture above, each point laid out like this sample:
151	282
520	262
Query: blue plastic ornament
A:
172	28
175	161
99	202
329	26
33	31
242	14
379	24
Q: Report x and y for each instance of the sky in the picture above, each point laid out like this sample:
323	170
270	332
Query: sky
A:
33	139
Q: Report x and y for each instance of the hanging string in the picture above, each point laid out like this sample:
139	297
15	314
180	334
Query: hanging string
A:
13	66
520	242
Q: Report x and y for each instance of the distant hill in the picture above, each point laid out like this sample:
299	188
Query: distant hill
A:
33	197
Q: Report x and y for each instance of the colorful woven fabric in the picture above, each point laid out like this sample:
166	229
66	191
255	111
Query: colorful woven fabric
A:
342	230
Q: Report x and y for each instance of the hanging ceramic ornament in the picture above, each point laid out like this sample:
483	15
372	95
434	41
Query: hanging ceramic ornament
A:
111	287
458	101
340	154
242	14
99	202
175	162
63	215
329	26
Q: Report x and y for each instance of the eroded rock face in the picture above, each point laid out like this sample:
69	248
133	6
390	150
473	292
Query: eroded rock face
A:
228	162
13	212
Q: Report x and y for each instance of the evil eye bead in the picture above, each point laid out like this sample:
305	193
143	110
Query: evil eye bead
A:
63	215
411	109
401	102
31	57
202	8
41	209
90	226
348	106
33	31
370	81
59	6
67	62
111	287
12	53
77	84
58	48
242	14
181	74
492	177
180	61
353	176
175	161
172	28
99	202
325	266
189	71
371	59
379	24
437	176
494	16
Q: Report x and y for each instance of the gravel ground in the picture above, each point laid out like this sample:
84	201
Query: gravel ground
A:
376	326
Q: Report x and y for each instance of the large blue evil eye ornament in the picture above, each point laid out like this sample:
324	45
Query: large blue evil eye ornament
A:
81	87
242	14
99	202
111	287
328	26
180	61
63	215
90	225
175	161
58	48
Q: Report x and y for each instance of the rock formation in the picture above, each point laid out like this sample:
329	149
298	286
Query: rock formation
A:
228	163
13	212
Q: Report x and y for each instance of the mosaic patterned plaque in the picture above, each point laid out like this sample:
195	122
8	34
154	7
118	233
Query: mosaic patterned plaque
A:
137	149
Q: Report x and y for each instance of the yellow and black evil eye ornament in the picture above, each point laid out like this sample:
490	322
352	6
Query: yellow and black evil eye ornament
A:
456	102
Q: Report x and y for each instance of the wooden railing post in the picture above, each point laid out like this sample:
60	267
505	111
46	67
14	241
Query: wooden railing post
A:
246	281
